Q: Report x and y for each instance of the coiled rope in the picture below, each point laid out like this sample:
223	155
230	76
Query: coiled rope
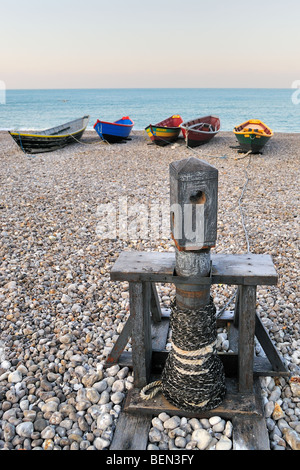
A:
193	377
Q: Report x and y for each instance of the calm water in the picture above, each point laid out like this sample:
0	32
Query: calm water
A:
40	109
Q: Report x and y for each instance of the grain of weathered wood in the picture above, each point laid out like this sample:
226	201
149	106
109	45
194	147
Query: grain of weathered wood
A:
268	346
250	433
131	432
237	307
249	428
233	404
233	337
246	337
139	298
138	265
159	333
155	304
246	269
193	190
120	344
228	269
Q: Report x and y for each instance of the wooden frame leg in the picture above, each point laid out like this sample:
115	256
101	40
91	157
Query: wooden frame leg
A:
237	307
154	304
120	343
247	308
139	296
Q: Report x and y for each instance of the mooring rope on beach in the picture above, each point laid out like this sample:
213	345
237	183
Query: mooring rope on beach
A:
241	199
88	143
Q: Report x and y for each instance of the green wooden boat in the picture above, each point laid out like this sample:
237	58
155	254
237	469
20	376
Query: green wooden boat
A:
253	135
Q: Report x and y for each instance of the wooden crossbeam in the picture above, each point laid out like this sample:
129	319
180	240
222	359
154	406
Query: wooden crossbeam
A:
249	269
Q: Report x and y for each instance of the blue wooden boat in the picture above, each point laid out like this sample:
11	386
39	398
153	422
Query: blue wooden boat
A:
114	131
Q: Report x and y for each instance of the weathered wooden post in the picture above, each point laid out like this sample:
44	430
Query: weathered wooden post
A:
193	212
193	377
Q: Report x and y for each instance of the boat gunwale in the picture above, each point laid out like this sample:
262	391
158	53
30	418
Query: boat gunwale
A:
186	125
114	123
160	125
199	131
252	131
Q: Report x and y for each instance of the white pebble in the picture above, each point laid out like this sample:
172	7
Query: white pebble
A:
15	377
228	429
101	443
118	386
25	429
104	421
158	424
172	423
202	437
224	444
214	420
113	370
117	397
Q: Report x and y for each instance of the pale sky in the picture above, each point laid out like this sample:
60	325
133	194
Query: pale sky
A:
149	44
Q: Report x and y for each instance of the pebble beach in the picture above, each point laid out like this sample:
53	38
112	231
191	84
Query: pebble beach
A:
60	314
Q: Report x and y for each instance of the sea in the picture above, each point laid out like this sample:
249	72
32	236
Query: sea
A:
42	109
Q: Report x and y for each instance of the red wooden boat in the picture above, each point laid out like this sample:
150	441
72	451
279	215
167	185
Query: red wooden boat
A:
201	130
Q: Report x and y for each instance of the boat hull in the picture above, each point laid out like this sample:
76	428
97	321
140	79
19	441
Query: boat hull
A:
165	132
193	140
253	135
252	142
200	131
44	144
50	140
114	132
162	135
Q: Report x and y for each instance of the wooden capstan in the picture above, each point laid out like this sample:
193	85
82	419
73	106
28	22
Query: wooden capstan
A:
193	270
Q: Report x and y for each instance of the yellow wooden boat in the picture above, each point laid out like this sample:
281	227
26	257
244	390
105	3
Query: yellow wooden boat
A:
253	135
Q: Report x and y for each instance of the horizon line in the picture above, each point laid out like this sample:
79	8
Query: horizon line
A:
153	88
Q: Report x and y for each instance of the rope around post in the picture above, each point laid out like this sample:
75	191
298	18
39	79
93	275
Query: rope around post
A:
193	377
